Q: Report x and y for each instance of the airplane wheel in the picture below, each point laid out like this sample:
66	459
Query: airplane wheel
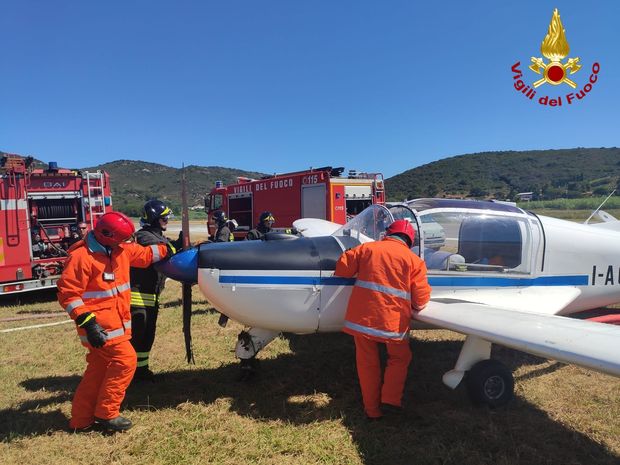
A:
490	382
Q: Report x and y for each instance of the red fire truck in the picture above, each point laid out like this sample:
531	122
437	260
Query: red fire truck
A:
316	193
39	214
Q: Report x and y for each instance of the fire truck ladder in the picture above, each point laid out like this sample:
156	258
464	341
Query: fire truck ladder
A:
377	185
13	167
94	191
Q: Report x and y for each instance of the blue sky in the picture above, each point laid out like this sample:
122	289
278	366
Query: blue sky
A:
281	85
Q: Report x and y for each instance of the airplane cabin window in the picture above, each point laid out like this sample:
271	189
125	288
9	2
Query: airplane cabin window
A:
475	242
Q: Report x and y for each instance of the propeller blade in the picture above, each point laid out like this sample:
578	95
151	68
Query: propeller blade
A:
187	288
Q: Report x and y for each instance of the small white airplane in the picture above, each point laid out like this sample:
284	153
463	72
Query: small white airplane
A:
499	275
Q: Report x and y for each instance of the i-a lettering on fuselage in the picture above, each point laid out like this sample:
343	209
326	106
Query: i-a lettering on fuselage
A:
605	275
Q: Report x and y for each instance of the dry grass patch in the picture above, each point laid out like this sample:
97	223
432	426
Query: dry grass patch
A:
304	407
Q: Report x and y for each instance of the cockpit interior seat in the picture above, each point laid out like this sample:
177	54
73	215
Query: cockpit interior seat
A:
487	240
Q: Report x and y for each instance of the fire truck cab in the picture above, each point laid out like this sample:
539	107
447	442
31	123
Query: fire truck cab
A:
315	193
40	210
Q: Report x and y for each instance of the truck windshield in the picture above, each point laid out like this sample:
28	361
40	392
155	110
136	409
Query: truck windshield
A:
215	201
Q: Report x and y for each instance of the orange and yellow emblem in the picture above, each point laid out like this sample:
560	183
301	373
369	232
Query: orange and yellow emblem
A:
555	48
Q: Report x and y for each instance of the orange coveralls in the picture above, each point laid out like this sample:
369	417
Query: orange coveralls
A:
390	281
82	289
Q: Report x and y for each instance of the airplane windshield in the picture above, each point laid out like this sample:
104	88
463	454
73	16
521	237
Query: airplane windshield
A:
367	226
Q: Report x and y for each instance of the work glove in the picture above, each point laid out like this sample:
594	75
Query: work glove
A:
95	334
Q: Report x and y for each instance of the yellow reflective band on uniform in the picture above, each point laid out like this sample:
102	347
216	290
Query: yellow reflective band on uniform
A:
87	319
143	363
143	354
173	248
143	300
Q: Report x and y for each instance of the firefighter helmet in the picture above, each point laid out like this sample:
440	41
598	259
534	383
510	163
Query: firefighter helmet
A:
266	216
113	228
154	210
403	228
220	217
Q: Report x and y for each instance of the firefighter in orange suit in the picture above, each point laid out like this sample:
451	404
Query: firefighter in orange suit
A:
391	282
94	290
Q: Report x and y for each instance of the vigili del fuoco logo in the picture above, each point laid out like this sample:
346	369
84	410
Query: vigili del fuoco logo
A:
556	71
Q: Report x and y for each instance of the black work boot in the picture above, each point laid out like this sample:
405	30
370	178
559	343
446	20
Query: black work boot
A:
392	410
114	425
144	374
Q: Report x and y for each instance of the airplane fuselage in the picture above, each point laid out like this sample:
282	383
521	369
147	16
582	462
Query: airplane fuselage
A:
549	266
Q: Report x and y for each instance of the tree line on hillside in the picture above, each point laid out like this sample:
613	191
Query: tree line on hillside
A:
548	174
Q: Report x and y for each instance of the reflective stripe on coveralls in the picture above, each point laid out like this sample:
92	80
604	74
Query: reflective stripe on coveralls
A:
106	293
385	289
111	334
156	256
76	303
376	332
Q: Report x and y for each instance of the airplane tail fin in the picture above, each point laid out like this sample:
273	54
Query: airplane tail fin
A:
607	221
604	216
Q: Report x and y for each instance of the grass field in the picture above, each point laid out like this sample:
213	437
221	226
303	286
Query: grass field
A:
304	408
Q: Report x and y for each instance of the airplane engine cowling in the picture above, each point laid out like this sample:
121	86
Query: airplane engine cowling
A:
275	285
316	253
181	266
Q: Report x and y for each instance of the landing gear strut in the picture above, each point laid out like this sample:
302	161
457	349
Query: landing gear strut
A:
249	343
488	381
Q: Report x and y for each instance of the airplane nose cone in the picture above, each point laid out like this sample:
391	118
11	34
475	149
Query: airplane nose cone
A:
182	266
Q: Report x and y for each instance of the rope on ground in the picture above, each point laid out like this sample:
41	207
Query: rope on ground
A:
35	326
34	316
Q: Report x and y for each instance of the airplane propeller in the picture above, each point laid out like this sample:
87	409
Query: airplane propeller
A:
187	287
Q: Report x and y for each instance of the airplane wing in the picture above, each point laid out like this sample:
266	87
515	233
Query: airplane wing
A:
584	343
550	300
313	227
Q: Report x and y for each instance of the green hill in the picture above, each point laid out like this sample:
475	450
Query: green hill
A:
549	174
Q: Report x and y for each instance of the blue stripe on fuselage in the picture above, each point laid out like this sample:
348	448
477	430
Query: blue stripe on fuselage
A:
308	280
437	281
483	281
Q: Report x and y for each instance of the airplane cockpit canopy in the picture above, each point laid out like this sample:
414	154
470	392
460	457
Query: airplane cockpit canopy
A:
459	235
368	226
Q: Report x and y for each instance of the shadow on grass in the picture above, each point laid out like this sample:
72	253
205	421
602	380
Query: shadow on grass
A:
318	383
28	298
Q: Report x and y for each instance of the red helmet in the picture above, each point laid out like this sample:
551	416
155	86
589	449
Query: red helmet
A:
113	228
402	227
